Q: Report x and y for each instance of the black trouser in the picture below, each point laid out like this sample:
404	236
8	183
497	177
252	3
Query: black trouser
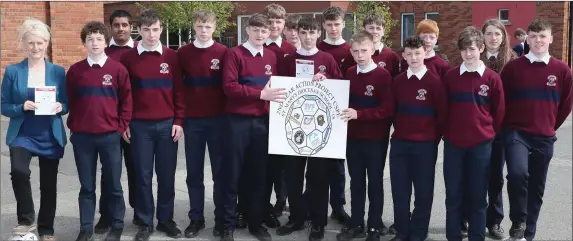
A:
317	179
20	171
126	151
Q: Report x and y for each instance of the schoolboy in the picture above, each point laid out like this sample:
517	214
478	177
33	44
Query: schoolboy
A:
371	102
99	93
154	132
421	107
120	21
275	173
324	66
538	88
476	110
334	44
428	30
520	36
383	56
290	31
246	83
202	64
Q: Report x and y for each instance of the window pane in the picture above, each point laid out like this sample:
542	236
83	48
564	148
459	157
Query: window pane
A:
407	26
244	22
433	16
503	14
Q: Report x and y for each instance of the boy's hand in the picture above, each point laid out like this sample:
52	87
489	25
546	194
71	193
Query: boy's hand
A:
176	132
127	135
273	94
349	114
318	77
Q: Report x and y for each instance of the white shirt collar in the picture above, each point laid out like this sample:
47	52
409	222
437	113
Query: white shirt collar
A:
532	58
420	73
371	66
332	42
207	45
381	47
101	62
491	54
279	41
480	69
252	49
129	43
141	49
305	52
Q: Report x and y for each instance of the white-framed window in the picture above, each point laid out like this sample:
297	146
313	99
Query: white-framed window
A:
346	32
433	16
408	27
173	40
503	15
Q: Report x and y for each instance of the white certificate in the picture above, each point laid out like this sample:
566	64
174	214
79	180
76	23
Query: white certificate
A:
304	68
45	100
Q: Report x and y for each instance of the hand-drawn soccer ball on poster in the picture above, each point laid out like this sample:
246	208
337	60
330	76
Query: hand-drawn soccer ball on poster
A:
308	125
25	237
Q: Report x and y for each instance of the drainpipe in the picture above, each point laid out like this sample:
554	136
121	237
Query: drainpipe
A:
570	35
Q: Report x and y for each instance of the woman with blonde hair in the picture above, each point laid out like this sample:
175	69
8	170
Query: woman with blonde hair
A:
34	133
498	53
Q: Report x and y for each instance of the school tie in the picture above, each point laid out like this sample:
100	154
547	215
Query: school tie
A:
96	66
492	58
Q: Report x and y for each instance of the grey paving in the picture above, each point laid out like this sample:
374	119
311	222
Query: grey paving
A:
554	222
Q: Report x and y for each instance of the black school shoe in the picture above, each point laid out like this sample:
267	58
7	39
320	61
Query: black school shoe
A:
373	235
289	228
496	232
194	227
114	234
102	226
316	233
341	216
348	233
271	221
261	233
227	235
85	236
169	228
517	230
464	229
144	233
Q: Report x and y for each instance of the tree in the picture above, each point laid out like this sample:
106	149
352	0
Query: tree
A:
179	15
377	7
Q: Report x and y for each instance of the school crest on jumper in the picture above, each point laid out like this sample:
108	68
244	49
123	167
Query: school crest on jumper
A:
164	68
483	90
382	64
268	70
106	79
285	55
215	64
322	69
551	80
369	89
421	94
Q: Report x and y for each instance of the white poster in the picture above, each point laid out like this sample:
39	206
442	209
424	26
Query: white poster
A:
45	100
308	122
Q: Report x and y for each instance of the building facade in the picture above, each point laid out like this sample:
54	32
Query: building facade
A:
67	18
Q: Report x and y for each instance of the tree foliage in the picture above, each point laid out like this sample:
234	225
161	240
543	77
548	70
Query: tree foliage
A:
365	8
179	15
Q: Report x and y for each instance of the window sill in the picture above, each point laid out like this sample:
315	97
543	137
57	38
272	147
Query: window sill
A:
506	22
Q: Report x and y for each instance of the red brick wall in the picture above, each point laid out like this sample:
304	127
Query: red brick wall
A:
454	16
65	19
557	13
13	15
130	7
68	18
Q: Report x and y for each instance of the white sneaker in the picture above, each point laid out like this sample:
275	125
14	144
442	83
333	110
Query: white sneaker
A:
23	229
